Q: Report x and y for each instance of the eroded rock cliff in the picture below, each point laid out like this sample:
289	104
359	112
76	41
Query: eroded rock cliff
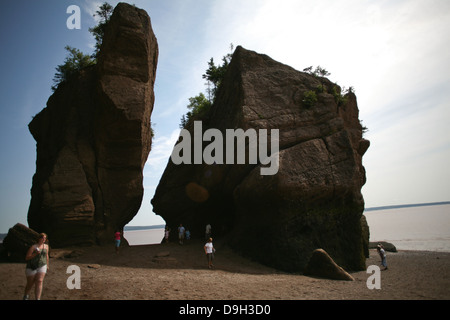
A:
94	137
313	201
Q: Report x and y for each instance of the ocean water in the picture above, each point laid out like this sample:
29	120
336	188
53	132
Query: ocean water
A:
144	237
418	227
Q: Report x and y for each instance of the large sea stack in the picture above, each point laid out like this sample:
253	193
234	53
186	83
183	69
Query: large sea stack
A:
313	201
94	137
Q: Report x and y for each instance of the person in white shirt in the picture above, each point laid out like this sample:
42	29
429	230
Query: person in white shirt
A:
209	251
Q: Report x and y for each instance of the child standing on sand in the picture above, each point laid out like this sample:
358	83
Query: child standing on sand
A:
166	234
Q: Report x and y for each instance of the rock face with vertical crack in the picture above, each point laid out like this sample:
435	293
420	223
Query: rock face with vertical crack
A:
94	137
313	201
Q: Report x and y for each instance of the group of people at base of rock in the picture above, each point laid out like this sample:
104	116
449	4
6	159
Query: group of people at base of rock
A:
184	233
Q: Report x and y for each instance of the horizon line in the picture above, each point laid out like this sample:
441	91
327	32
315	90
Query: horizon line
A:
397	206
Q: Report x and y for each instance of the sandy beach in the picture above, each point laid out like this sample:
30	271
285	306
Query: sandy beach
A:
181	273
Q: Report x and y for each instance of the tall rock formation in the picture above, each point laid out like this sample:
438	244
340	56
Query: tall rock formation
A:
313	201
94	137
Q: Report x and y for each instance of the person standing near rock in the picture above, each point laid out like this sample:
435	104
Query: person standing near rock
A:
117	240
37	267
209	251
166	234
181	234
382	254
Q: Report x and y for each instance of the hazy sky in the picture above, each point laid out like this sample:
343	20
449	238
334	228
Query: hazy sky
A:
396	55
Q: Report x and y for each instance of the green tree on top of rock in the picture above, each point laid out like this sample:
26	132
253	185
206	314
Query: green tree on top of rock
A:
200	105
215	74
105	11
318	72
77	60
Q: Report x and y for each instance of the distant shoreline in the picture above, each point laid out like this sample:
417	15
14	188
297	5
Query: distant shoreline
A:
139	228
399	206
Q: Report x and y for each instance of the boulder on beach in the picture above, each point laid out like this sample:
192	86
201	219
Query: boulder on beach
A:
18	240
386	245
